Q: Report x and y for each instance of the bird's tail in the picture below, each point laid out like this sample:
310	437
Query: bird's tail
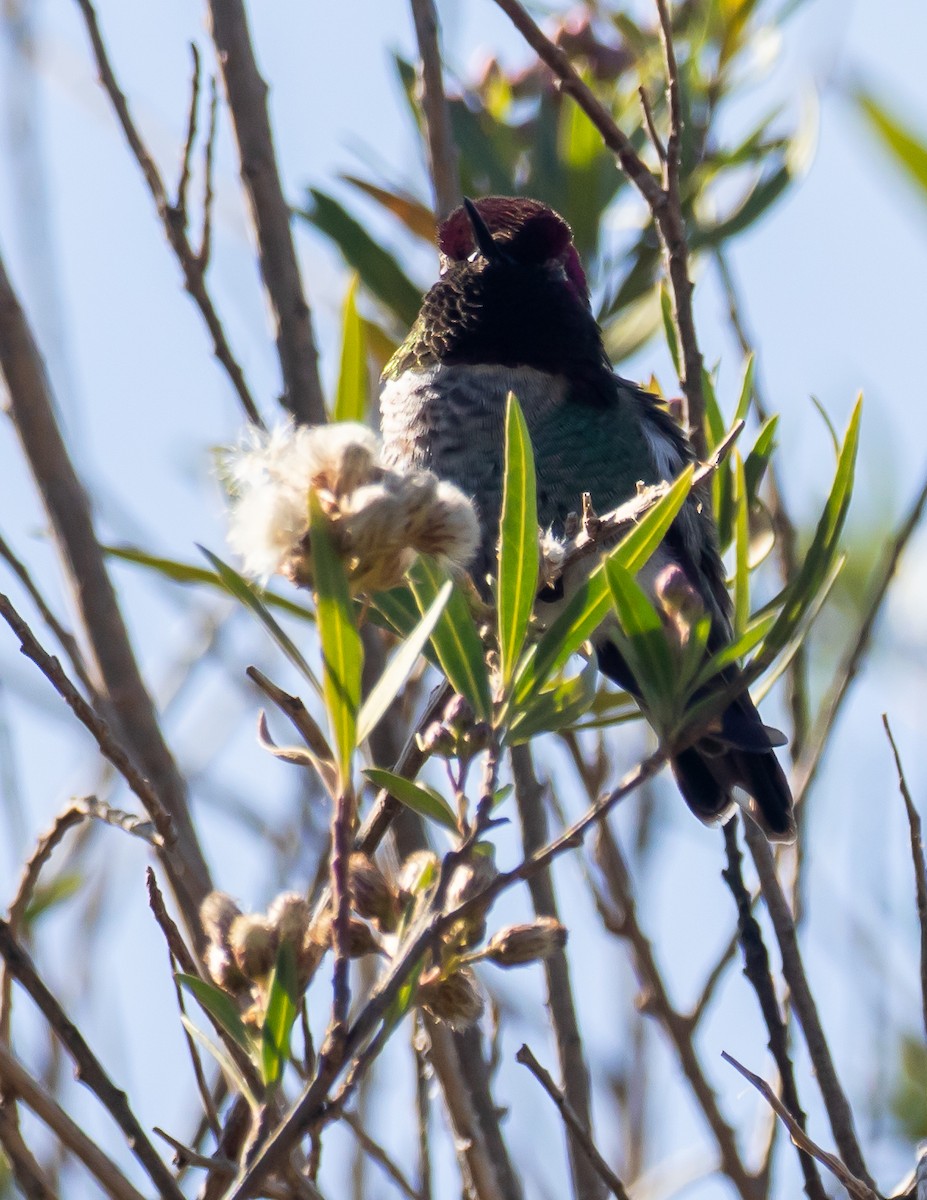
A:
739	755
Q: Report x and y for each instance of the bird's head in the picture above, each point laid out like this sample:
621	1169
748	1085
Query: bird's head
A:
512	230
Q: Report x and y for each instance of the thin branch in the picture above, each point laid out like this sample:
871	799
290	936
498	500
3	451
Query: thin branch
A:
247	97
838	1108
715	975
917	858
66	640
856	1187
116	675
663	203
202	256
376	1152
442	152
29	1176
578	1129
342	821
89	1070
756	969
193	273
652	131
620	917
17	1079
572	1061
806	770
181	202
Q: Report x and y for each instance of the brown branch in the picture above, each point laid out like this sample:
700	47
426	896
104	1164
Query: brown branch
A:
836	1104
578	1129
66	640
376	1152
917	858
620	917
116	676
16	1078
573	1068
193	271
341	828
856	1187
806	770
247	96
442	151
202	256
29	1176
756	969
664	206
88	1068
180	204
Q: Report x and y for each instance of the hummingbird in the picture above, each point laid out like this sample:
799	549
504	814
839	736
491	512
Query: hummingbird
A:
511	312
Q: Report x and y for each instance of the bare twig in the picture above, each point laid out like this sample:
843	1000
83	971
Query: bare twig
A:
442	152
806	770
917	857
715	975
620	917
194	277
662	201
117	680
342	822
572	1061
838	1108
30	1178
202	255
247	97
856	1187
181	202
578	1128
756	969
66	640
376	1152
15	1077
89	1070
652	130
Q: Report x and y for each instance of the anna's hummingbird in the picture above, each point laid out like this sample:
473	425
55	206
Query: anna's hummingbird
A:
511	312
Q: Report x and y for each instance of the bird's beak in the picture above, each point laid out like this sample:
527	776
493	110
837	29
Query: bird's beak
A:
485	242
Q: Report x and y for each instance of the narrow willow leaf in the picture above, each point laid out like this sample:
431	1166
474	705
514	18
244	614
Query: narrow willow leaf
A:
397	610
351	396
518	541
219	1005
746	390
822	552
908	149
342	652
556	707
758	459
669	327
739	648
714	421
741	547
281	1011
188	573
249	595
234	1077
416	796
399	667
636	547
455	639
642	643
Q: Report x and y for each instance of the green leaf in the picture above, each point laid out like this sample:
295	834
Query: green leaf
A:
758	459
636	547
342	652
905	146
669	327
518	541
455	639
219	1005
188	573
399	668
416	217
351	397
48	896
250	596
378	270
737	649
281	1011
741	546
642	641
746	390
418	797
556	707
234	1076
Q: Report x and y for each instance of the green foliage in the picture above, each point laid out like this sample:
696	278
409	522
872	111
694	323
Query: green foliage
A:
416	796
907	148
351	398
282	1008
518	542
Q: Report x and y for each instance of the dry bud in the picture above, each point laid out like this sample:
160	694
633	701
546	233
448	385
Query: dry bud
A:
468	880
370	890
455	1000
217	912
289	918
519	944
222	969
361	940
253	942
418	867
